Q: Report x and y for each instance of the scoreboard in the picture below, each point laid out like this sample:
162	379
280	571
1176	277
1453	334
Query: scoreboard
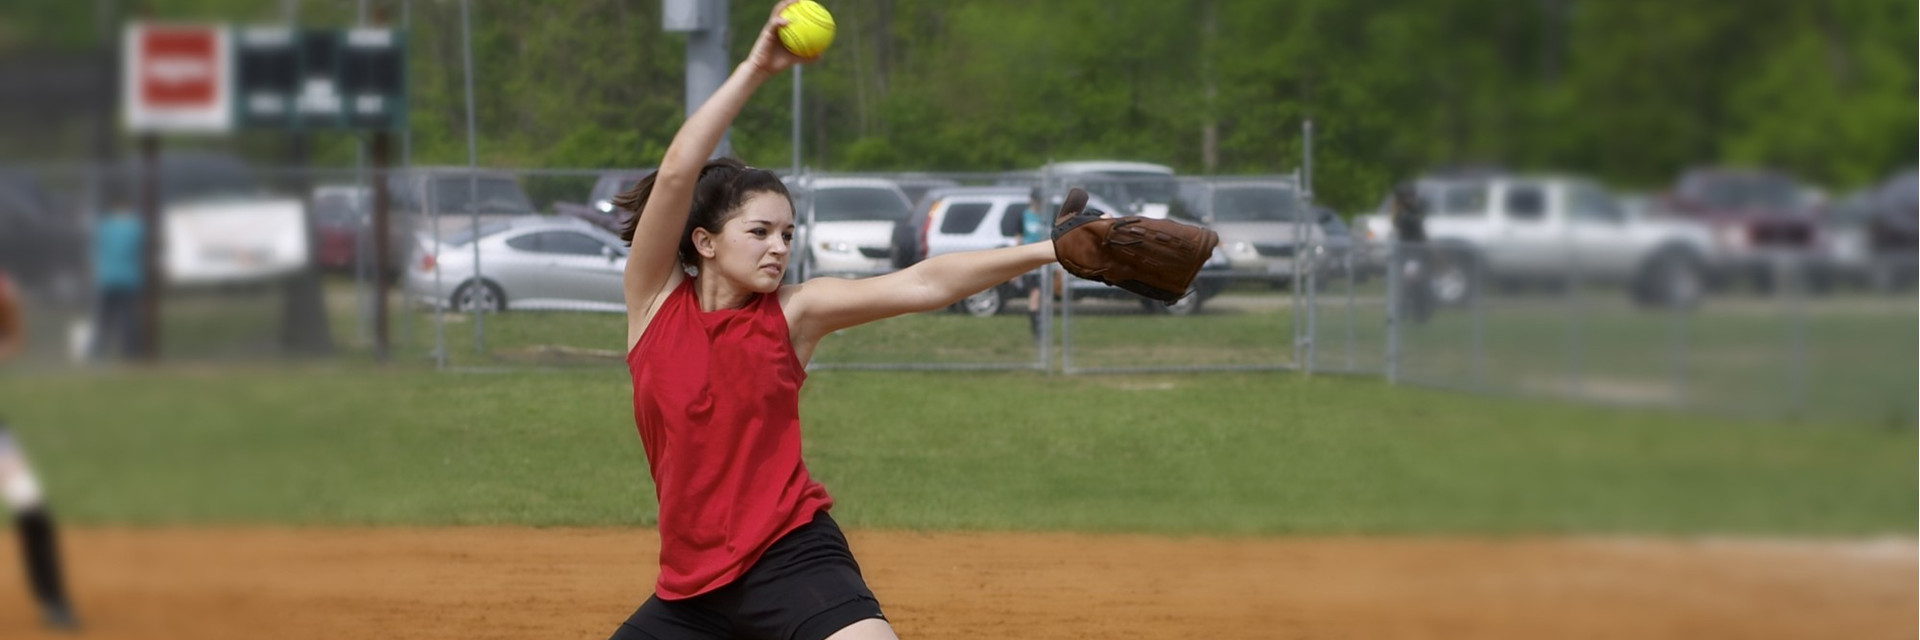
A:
215	78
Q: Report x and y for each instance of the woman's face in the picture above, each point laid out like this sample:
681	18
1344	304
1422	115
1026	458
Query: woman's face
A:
753	246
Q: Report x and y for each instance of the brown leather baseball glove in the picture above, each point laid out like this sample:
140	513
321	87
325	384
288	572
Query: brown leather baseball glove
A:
1154	258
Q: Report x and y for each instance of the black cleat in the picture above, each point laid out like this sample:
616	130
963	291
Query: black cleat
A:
58	617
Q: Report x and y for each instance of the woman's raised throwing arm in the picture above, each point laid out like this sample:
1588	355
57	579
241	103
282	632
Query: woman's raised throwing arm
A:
656	235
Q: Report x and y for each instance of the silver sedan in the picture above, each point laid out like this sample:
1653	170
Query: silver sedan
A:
524	263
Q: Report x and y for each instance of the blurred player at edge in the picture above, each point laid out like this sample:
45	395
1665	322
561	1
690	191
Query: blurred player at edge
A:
31	519
717	348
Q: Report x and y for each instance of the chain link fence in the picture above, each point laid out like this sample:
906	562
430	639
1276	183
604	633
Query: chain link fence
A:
520	269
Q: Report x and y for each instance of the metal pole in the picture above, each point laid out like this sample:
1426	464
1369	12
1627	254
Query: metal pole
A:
1347	267
707	65
796	117
473	165
1478	321
406	161
1394	284
1793	274
1677	333
1306	219
1046	288
1576	357
362	238
1293	286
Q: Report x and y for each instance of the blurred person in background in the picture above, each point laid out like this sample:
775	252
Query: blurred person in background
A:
31	519
1410	229
1035	227
118	274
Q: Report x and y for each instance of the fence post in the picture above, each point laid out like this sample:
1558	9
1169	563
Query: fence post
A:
1347	267
1394	285
1477	279
1796	283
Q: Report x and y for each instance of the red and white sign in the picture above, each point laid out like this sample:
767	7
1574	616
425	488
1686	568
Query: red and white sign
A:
178	78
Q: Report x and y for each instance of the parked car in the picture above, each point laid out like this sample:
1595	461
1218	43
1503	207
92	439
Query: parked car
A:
916	185
1517	229
532	262
599	208
446	199
1137	188
1759	219
1341	252
1260	227
845	225
973	218
1871	236
340	215
222	223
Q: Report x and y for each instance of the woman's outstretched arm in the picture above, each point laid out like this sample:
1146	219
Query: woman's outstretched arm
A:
824	305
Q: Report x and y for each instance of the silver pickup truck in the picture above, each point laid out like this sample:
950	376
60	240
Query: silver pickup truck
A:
1519	229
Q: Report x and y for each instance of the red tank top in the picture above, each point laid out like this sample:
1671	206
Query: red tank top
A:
717	399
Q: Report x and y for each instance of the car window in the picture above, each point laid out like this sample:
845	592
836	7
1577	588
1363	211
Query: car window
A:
558	242
1742	191
336	209
1590	204
857	203
1253	205
451	195
1455	200
1332	225
1526	203
963	217
1013	219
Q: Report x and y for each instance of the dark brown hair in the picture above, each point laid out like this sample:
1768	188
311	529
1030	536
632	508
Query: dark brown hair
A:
724	185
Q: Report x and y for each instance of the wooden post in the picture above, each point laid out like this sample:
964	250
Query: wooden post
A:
381	156
148	347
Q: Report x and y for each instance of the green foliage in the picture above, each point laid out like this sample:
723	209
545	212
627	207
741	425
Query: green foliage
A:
1632	91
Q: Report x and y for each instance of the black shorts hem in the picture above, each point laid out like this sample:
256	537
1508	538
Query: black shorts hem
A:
834	618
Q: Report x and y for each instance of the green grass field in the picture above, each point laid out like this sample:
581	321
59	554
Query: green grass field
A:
1217	453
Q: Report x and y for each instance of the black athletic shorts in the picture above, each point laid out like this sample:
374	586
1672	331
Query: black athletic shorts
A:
805	587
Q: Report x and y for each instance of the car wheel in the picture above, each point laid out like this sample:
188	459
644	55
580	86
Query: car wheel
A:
1674	280
481	295
984	304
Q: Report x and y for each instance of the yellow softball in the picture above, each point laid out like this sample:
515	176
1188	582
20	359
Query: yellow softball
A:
809	29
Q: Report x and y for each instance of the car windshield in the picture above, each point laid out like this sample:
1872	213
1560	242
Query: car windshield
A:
1464	199
496	196
1744	192
1333	225
1257	204
336	208
839	204
1152	187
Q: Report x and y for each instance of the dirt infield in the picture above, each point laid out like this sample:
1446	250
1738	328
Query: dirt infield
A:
419	584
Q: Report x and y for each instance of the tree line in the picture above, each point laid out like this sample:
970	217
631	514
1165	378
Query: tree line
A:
1631	91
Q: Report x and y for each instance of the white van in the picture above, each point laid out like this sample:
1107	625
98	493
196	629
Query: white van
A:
852	220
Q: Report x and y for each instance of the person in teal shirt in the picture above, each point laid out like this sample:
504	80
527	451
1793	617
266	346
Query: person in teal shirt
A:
119	272
1034	227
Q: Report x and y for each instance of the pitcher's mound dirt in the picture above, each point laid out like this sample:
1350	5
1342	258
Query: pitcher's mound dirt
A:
417	584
